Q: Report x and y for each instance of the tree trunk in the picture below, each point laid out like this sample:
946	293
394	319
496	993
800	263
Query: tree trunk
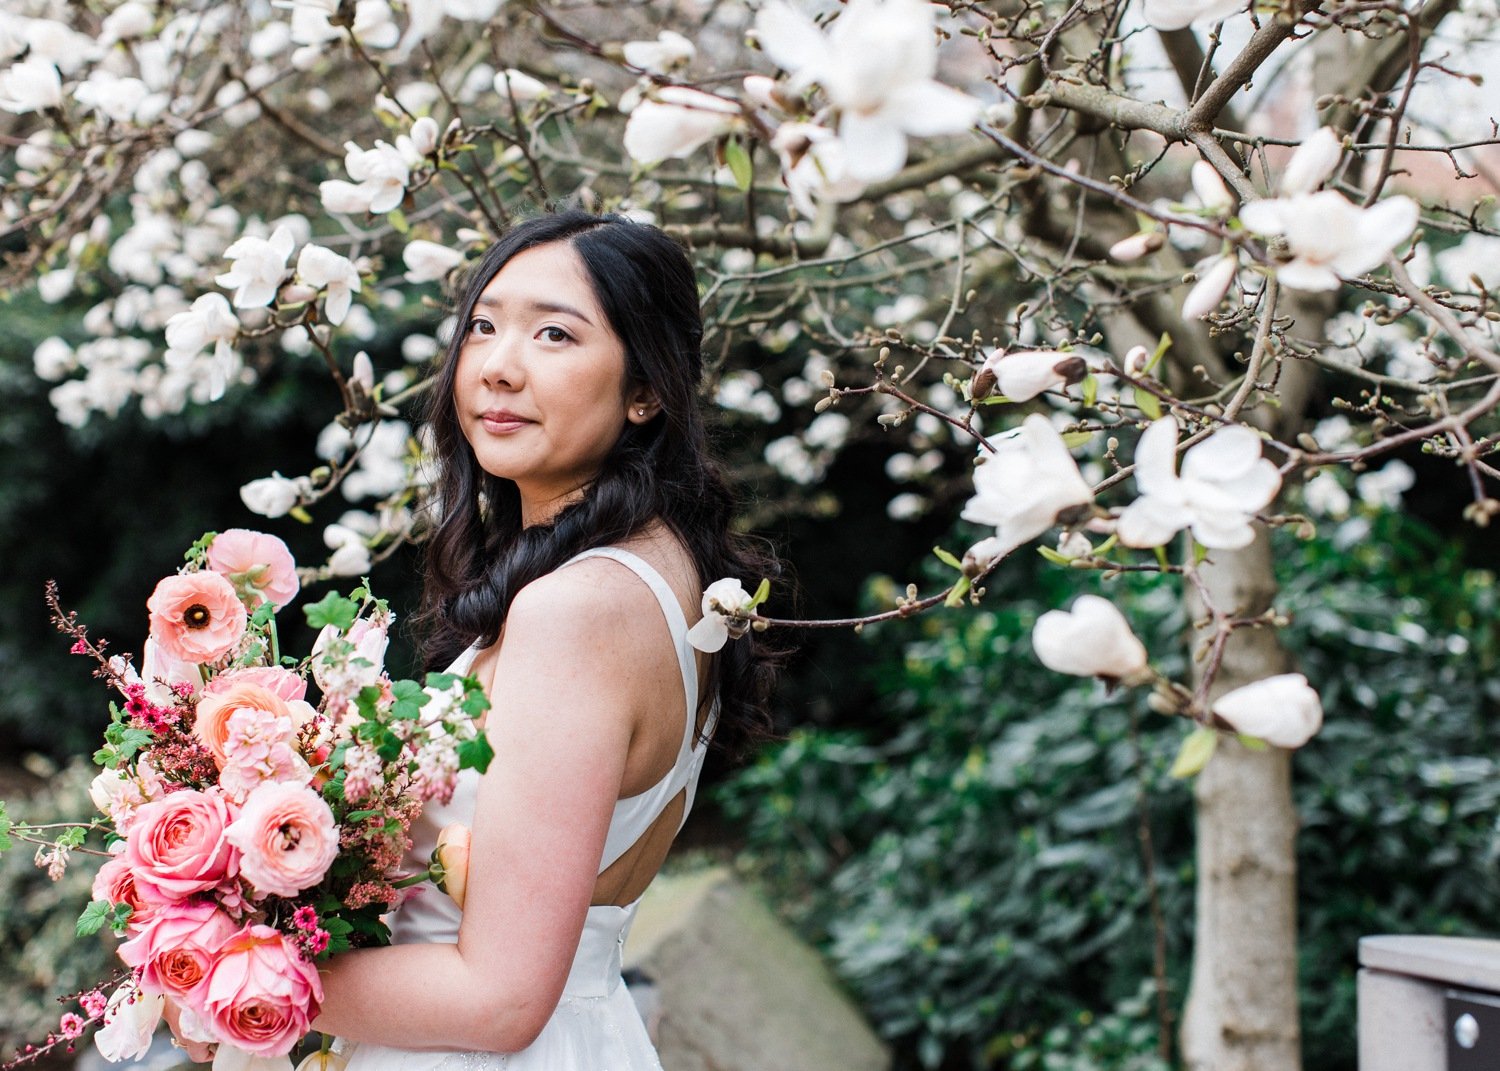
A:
1242	1007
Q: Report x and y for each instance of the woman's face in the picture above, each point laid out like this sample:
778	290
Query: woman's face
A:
540	386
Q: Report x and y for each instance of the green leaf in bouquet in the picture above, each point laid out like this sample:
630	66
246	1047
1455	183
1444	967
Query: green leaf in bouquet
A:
72	837
5	827
367	702
94	917
475	701
333	788
264	614
388	745
475	754
332	609
441	682
360	816
199	550
336	926
410	698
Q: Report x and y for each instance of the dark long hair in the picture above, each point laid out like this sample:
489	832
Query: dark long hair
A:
480	555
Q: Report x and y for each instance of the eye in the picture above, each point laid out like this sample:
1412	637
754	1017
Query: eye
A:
555	334
479	326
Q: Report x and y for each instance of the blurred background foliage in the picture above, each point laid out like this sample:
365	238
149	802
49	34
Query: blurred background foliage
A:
971	856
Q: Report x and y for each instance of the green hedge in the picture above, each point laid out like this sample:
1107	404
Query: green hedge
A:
973	865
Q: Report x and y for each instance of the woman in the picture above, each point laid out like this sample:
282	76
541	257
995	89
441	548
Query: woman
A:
583	519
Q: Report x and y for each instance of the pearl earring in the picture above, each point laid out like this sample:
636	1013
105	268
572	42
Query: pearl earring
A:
640	412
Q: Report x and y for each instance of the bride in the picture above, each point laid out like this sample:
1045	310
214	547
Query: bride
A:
582	519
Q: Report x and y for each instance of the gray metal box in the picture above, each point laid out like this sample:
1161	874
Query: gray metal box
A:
1429	1004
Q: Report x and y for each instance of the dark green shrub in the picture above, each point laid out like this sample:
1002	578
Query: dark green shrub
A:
973	865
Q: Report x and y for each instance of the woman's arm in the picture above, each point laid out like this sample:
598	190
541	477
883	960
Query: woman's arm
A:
564	697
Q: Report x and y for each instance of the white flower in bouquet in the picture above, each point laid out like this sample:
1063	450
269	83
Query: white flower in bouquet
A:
259	266
130	1021
30	86
323	269
1283	710
876	64
1023	486
1224	482
1093	639
345	662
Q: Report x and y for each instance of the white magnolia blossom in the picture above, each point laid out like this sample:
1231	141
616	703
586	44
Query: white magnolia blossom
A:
272	496
209	320
429	262
1325	496
676	123
130	1020
1175	14
323	269
1021	376
519	86
124	100
423	136
1283	710
380	176
721	599
1312	163
1215	276
1136	246
258	268
814	164
1210	188
129	20
1384	487
1022	487
876	64
669	51
30	86
1329	236
1092	639
1224	482
351	554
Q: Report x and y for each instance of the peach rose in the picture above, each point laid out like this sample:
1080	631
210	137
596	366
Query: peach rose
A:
286	836
216	708
178	845
257	564
450	861
196	617
260	994
176	949
277	679
115	882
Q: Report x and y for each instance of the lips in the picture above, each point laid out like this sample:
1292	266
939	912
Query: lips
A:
501	421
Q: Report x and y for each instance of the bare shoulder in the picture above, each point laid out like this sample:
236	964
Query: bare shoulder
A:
588	602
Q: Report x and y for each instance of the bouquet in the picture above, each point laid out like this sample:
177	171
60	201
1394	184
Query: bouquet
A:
250	831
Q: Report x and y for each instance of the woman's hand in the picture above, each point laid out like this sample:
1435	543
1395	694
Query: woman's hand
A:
200	1052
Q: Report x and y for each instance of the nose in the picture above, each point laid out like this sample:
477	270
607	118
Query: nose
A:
500	364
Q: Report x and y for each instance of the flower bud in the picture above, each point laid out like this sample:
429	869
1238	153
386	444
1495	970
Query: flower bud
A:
1136	246
450	862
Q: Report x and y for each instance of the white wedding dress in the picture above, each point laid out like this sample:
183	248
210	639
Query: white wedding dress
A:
596	1026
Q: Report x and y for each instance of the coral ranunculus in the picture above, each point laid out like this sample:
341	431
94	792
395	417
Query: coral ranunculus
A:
256	563
216	708
178	845
287	838
276	679
260	993
196	616
176	949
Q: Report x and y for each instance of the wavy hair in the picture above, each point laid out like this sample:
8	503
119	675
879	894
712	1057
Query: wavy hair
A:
479	554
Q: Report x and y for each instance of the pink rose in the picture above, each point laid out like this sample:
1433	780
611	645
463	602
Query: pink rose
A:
287	838
175	950
196	617
274	679
179	845
256	563
260	994
115	883
211	723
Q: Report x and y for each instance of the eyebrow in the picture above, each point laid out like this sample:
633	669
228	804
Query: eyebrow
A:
538	306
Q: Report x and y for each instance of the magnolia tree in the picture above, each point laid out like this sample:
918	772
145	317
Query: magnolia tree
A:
1119	255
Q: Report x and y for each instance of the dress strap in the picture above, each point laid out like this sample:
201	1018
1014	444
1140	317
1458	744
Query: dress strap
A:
677	625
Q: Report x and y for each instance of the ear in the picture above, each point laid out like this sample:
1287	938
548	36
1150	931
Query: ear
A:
641	405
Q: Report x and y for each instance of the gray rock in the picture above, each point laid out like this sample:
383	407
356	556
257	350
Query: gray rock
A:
738	990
